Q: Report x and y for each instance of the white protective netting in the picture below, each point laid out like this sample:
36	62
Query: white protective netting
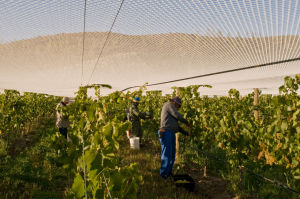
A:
41	44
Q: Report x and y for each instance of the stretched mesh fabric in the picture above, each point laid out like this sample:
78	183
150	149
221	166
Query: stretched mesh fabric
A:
46	48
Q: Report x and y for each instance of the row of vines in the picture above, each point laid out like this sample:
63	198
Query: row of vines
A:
90	166
243	150
46	165
269	146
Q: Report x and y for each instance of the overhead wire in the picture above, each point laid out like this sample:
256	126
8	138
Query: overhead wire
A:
83	39
217	73
106	40
82	58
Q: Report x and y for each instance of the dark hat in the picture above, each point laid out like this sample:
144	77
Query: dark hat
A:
65	100
177	100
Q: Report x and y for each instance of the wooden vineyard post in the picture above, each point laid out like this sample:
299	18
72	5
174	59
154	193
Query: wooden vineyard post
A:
178	90
255	103
205	167
177	145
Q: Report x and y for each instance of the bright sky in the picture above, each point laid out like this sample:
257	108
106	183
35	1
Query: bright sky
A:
21	19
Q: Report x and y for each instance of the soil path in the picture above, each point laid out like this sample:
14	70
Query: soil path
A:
148	158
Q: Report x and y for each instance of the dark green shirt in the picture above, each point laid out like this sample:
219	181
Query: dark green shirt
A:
135	116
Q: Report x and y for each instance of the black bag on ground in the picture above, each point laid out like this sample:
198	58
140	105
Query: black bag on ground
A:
184	181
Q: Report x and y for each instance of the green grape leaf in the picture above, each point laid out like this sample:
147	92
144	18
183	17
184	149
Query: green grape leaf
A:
78	186
108	130
284	126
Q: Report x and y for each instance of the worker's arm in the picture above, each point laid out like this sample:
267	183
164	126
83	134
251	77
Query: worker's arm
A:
137	113
181	130
173	111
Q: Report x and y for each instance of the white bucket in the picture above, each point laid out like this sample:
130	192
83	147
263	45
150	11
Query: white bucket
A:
134	142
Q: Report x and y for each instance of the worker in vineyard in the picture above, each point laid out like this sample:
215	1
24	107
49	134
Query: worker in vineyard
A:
168	127
135	117
62	121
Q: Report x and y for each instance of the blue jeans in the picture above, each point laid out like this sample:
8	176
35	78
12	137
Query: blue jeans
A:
168	151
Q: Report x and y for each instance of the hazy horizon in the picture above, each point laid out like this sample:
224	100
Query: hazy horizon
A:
52	64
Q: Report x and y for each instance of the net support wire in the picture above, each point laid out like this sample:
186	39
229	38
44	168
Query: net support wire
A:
83	41
218	73
106	40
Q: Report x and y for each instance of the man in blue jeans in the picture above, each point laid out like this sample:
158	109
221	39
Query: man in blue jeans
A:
169	126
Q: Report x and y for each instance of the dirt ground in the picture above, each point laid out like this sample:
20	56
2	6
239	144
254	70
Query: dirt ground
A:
148	158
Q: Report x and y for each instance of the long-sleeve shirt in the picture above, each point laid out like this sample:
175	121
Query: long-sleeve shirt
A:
135	115
170	117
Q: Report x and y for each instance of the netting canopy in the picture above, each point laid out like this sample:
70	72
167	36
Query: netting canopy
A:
54	46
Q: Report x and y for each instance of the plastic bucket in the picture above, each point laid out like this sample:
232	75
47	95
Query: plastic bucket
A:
134	142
